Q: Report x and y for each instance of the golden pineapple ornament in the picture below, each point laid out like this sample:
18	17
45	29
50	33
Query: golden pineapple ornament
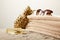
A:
22	21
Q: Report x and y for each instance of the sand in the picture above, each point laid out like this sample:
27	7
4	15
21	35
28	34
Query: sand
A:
31	35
